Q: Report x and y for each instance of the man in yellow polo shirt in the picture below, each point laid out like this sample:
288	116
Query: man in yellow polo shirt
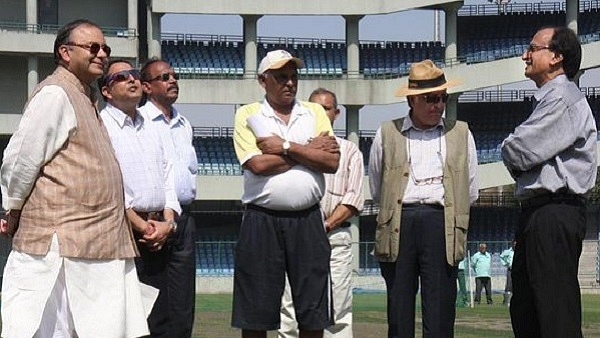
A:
284	146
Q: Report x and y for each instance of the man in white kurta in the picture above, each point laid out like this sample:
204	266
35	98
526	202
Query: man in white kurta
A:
71	271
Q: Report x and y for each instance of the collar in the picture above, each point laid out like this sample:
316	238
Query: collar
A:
268	111
547	87
121	118
408	123
154	113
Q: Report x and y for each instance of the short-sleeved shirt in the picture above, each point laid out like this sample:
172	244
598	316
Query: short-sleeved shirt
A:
296	189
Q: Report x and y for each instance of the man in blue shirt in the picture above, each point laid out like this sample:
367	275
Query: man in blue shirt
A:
552	157
482	265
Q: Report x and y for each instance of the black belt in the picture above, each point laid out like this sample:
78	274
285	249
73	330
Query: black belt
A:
560	198
283	213
422	205
186	208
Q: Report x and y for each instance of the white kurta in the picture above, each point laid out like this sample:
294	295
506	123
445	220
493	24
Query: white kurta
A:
105	297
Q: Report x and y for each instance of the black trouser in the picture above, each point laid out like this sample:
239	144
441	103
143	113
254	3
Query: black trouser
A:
388	272
172	271
483	282
422	256
546	299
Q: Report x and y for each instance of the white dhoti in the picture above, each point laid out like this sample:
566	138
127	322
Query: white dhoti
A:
52	296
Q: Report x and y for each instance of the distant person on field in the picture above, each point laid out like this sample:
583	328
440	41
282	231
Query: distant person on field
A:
343	199
481	262
506	257
553	158
71	271
462	299
423	174
284	146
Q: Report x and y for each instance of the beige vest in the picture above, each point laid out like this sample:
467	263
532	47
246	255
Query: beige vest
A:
456	190
78	194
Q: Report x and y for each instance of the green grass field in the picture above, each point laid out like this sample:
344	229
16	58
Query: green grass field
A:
490	321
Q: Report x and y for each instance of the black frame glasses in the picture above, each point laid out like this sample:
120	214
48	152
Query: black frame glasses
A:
164	77
532	48
92	47
122	76
433	99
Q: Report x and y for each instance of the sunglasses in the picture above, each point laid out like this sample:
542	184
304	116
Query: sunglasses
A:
282	78
165	77
123	76
93	47
433	99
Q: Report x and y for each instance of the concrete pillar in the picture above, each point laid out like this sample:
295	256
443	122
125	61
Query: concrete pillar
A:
352	127
451	11
452	106
31	17
572	11
352	45
154	30
32	73
250	43
132	14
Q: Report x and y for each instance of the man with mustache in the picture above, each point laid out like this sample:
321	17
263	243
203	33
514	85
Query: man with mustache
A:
553	158
284	146
71	270
160	86
150	200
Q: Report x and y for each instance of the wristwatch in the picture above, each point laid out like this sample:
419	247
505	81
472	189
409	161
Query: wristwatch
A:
286	147
173	226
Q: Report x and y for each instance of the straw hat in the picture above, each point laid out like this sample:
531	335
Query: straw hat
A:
425	77
276	59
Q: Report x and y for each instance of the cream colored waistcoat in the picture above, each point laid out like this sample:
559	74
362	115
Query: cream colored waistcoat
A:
456	190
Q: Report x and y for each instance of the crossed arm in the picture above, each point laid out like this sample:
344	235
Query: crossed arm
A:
321	154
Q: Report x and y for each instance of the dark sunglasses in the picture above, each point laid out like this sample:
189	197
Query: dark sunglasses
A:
123	76
165	77
433	99
93	47
282	78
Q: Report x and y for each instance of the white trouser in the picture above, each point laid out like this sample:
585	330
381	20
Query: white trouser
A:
341	280
52	296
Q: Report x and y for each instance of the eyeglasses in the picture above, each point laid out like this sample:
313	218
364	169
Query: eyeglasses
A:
534	48
123	76
165	77
93	47
283	78
433	99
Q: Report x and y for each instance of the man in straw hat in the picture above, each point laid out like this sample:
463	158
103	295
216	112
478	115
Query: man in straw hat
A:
422	172
284	146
